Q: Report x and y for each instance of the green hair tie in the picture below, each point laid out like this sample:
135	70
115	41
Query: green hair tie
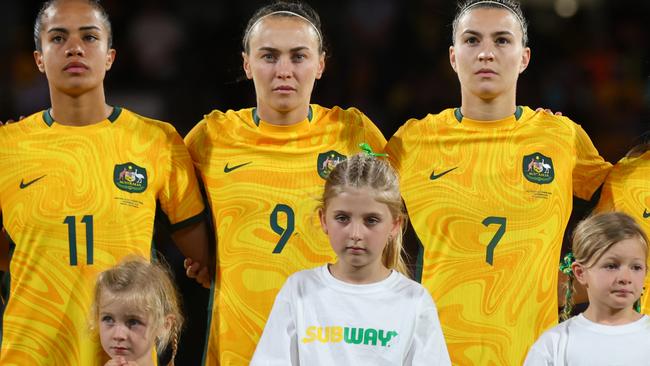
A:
368	150
565	265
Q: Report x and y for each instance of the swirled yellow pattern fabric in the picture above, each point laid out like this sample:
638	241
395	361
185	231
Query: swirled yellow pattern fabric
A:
489	203
264	183
74	201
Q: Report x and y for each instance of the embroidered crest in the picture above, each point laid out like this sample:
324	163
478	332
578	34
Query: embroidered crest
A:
130	177
327	161
538	168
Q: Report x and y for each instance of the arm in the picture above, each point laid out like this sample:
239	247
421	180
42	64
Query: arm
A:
193	242
428	346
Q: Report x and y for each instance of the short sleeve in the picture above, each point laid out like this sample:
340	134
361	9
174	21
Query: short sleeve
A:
395	148
372	134
180	198
428	346
538	355
590	169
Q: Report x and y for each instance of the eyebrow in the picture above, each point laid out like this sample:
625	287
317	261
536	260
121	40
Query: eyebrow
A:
379	214
498	33
272	49
66	31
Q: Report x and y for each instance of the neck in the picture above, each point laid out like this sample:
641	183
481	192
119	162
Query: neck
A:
81	110
282	118
359	275
608	316
488	109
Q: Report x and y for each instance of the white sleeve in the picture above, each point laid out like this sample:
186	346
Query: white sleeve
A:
428	346
538	357
548	349
279	342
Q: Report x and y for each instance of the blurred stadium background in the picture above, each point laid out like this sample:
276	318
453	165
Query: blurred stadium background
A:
177	60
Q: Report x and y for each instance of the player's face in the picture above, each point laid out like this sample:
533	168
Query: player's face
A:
74	54
284	61
615	281
488	54
124	330
358	227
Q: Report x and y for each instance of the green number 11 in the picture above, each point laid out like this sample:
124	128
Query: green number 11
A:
72	238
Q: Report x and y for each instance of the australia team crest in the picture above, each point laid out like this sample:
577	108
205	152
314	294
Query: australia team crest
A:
538	168
327	161
130	177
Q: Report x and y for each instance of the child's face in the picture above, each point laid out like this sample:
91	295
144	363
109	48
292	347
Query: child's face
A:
615	281
358	227
124	330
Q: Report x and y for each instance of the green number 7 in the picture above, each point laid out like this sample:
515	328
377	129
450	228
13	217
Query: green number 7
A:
489	253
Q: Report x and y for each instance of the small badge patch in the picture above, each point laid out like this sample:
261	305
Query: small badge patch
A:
327	161
538	168
130	177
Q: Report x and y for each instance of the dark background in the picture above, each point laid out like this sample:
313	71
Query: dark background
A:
178	60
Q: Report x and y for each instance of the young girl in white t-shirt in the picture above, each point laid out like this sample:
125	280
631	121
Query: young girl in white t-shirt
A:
363	309
611	253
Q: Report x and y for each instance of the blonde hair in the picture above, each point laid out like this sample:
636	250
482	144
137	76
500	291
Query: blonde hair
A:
148	286
366	171
593	237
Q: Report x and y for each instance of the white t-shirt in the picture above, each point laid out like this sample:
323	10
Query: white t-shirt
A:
581	342
319	320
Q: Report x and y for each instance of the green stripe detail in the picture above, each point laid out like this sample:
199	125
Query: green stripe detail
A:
116	113
207	329
417	276
519	111
459	115
6	282
256	117
188	222
49	120
47	117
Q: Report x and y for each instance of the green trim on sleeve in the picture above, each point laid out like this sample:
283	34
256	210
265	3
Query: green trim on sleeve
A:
188	222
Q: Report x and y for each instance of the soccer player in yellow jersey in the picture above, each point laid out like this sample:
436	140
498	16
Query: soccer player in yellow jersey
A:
627	189
79	186
264	171
488	187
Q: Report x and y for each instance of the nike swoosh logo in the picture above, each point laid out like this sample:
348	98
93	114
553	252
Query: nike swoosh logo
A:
24	185
228	169
646	214
435	176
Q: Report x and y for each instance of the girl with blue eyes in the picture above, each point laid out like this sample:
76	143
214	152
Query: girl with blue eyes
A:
136	309
362	309
610	252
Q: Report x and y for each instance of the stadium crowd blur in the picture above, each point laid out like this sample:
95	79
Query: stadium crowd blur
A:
178	60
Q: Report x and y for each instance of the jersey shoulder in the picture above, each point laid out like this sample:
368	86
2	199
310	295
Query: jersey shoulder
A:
351	116
427	125
149	125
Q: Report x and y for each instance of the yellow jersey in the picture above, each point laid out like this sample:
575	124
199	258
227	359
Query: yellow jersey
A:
264	183
489	201
74	201
627	189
